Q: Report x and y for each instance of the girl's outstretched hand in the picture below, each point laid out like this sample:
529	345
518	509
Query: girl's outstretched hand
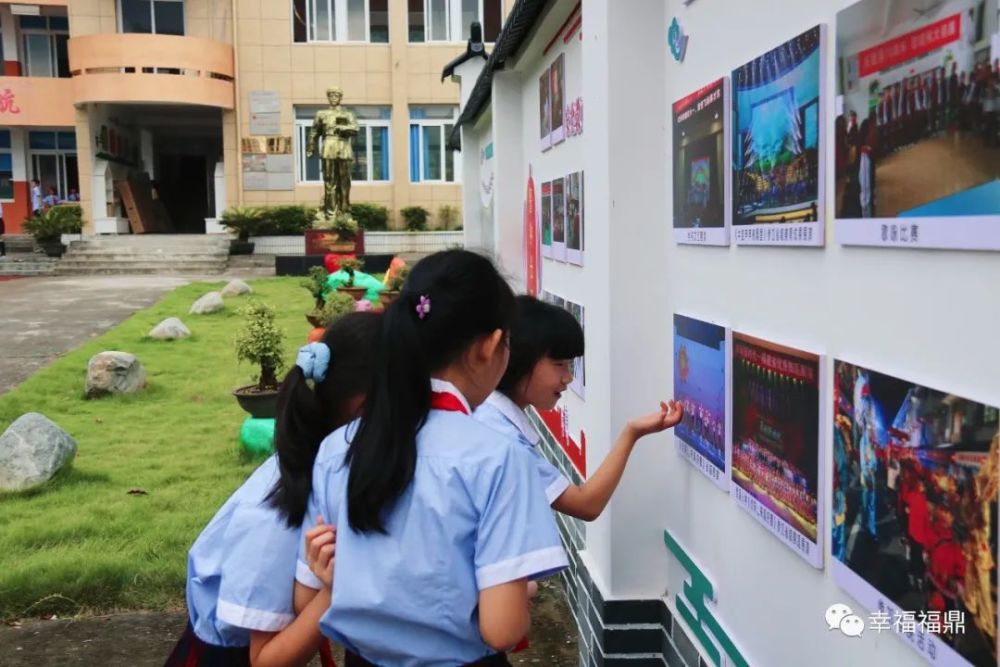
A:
321	549
668	416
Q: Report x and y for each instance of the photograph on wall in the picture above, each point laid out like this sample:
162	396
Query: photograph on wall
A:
777	155
776	441
917	138
701	360
558	97
559	219
579	384
545	109
701	175
574	218
914	511
546	217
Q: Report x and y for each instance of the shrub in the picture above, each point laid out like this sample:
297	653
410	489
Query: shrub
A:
243	221
370	217
49	225
351	265
290	220
448	217
336	306
261	342
396	283
316	284
415	217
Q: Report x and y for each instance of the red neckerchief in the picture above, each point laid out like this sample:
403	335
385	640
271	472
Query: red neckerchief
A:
448	402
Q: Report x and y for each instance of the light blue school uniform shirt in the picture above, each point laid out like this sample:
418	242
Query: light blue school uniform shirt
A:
242	568
502	415
474	516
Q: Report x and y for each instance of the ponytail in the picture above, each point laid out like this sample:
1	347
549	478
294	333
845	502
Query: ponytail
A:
450	298
306	415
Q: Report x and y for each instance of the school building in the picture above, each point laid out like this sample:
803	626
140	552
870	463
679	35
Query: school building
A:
208	103
587	133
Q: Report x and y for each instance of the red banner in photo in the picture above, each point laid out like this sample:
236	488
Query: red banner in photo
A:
910	45
577	453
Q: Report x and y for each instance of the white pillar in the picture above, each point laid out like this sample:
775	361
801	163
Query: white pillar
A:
146	149
212	225
101	194
19	153
8	33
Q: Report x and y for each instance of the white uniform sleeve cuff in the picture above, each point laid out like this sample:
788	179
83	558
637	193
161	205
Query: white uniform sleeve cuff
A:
532	565
556	489
304	576
252	619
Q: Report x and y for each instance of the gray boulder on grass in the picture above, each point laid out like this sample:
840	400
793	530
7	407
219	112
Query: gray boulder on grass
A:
169	329
209	303
114	373
32	450
236	288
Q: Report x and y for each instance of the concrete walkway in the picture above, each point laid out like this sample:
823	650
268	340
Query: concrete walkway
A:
42	318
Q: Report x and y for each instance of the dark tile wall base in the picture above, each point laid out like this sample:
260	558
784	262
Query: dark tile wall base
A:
613	633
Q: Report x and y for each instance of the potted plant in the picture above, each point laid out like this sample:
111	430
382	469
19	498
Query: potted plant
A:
334	233
316	284
349	266
260	342
447	217
391	293
243	221
48	227
336	305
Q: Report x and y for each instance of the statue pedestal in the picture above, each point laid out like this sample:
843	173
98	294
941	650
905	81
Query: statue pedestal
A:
325	241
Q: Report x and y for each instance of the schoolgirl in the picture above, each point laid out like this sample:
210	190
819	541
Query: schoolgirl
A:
441	521
242	568
544	341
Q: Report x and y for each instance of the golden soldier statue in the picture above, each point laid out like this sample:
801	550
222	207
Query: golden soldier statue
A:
337	127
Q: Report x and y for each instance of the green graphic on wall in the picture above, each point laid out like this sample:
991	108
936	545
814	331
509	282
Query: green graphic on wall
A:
698	616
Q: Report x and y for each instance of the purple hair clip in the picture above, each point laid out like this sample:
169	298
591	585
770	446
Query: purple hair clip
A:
424	306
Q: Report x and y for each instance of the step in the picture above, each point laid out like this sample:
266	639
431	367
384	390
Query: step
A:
69	265
138	254
137	270
147	241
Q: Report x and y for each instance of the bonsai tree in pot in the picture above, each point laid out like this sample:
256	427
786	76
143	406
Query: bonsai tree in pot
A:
243	221
316	284
260	342
336	305
349	266
48	227
393	288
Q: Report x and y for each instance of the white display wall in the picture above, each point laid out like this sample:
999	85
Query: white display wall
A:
929	316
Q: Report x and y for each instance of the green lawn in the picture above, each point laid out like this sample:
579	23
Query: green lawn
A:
82	543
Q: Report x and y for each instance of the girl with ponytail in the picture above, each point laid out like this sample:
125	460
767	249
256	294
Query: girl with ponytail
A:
242	568
440	520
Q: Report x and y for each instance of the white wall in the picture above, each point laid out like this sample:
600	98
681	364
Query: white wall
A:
924	315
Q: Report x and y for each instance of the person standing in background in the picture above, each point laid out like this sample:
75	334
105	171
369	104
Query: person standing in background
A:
36	196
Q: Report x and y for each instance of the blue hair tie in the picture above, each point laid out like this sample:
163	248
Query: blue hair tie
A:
314	359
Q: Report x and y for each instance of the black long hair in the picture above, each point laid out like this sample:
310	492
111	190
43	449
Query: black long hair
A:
539	330
306	415
468	299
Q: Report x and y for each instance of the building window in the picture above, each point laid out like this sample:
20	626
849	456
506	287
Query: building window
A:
430	159
161	17
451	20
53	160
341	21
371	145
45	40
6	167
